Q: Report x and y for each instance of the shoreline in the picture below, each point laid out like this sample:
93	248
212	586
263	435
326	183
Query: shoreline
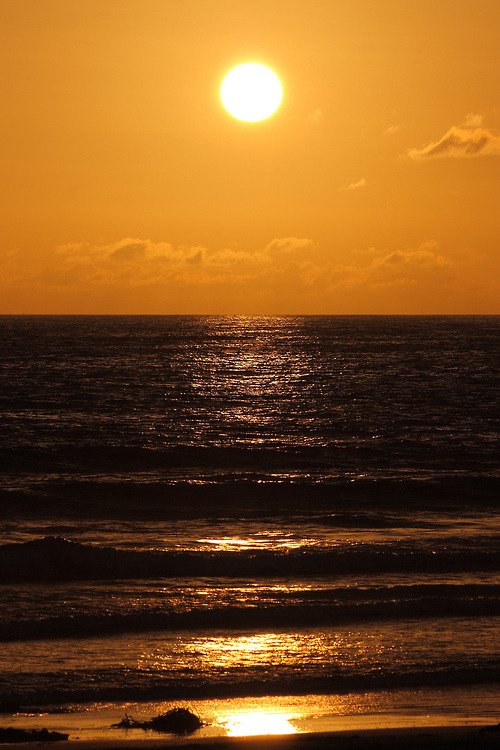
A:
310	723
412	738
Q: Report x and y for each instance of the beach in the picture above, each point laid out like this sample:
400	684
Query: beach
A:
453	718
458	738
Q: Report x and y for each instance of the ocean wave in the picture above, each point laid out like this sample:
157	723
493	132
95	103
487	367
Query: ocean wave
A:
58	559
121	685
347	499
275	616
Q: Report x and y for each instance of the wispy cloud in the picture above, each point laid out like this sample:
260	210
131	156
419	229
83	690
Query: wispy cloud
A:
135	262
291	271
392	130
409	265
473	120
463	141
315	116
354	185
398	267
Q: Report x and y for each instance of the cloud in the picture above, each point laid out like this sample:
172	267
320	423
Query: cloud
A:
354	185
275	252
424	265
131	263
465	141
288	272
392	130
473	120
408	263
129	251
133	251
287	245
136	262
315	116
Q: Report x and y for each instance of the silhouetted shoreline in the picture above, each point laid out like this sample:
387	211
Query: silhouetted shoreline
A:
458	738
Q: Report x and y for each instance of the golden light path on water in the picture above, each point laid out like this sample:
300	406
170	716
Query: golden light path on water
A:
265	540
250	649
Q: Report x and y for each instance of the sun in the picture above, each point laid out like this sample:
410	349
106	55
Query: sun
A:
251	92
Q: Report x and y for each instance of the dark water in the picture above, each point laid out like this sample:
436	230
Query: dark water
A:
208	506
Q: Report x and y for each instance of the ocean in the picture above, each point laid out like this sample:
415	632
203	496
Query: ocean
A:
205	508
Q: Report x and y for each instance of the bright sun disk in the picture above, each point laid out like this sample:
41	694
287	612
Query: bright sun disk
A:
251	92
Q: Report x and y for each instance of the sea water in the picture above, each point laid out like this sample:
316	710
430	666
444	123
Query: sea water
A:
233	508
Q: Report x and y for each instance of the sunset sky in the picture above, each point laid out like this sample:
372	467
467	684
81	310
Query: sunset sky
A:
126	187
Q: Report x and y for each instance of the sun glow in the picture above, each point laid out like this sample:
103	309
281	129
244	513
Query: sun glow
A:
251	92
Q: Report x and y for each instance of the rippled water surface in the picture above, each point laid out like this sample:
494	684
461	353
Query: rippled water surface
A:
208	507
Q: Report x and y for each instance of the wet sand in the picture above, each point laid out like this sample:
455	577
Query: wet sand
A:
457	738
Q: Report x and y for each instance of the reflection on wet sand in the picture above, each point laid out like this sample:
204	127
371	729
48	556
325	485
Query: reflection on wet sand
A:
248	723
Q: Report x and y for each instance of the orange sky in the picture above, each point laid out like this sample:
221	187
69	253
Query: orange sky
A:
127	188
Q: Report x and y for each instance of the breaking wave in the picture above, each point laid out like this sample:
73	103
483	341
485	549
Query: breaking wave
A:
58	559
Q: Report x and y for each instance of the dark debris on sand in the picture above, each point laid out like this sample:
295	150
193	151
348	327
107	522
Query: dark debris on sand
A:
13	734
175	721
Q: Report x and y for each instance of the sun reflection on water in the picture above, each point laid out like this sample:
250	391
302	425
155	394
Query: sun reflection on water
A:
247	723
249	650
267	541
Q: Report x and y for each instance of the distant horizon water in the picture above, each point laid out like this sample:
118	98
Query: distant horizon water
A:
246	315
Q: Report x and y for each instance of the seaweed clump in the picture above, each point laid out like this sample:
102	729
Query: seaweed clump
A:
15	734
175	721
